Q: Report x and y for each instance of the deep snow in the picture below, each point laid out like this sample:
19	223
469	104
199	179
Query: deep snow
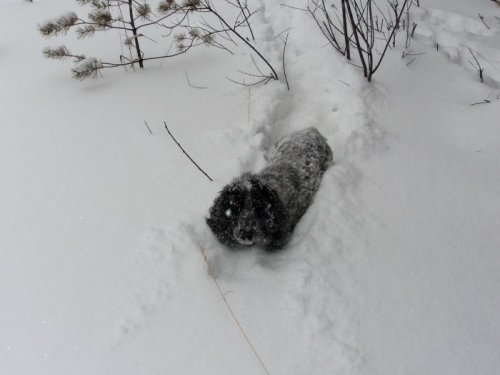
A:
393	270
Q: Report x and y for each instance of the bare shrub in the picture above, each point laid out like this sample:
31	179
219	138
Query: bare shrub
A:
361	25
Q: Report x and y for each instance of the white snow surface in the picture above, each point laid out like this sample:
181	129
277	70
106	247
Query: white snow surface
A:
393	270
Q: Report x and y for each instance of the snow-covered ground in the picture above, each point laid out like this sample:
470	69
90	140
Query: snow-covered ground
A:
393	270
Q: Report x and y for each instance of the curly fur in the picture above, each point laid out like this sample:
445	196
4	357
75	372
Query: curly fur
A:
262	209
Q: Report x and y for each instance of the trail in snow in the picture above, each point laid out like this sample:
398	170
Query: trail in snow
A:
299	307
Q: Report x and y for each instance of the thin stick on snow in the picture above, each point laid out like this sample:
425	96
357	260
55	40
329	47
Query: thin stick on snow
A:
214	278
147	126
185	153
485	101
483	21
295	8
285	41
191	85
412	60
249	105
479	69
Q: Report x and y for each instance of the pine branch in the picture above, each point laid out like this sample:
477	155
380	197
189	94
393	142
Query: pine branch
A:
85	31
143	11
60	25
60	53
101	17
166	6
172	15
86	68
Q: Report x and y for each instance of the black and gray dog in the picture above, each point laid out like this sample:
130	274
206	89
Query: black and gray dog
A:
262	209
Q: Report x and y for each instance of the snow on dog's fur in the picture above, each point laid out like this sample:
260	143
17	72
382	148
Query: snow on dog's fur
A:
262	209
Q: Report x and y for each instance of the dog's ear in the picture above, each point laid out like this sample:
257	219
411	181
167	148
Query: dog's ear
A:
229	201
267	204
271	216
224	212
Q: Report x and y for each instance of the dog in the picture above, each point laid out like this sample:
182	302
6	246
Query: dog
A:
263	209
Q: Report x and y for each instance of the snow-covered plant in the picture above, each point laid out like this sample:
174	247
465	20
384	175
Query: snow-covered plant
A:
87	67
59	25
185	24
130	18
365	26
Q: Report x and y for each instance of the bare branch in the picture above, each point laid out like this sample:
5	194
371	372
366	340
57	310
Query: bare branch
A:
185	153
483	21
485	101
147	126
478	67
285	41
193	86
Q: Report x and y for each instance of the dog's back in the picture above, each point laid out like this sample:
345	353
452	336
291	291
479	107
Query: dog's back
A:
305	146
300	159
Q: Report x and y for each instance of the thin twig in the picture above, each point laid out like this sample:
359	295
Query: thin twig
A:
483	21
233	315
409	62
185	153
249	105
256	66
246	16
284	67
147	126
479	69
485	101
126	38
294	8
193	86
413	29
281	33
393	32
264	80
208	6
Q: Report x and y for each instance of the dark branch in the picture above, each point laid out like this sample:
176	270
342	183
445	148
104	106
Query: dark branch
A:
185	153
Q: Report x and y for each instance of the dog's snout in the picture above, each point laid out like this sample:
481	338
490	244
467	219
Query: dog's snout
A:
244	232
247	219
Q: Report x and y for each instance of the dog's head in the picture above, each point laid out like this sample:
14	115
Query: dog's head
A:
248	212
